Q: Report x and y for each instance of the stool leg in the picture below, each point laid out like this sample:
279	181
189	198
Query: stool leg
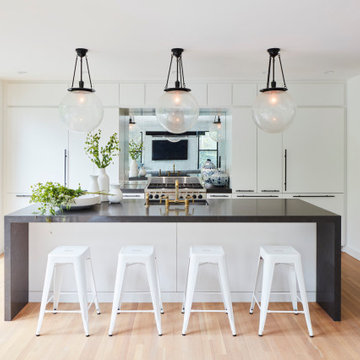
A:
292	286
93	287
158	285
120	273
45	294
80	276
304	301
153	284
190	288
224	282
186	281
252	305
268	271
57	279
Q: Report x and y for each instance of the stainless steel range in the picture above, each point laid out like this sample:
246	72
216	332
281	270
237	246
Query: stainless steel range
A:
163	186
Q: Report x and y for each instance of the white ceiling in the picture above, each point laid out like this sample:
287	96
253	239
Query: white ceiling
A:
131	40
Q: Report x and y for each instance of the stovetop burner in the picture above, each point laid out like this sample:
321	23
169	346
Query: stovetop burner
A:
172	186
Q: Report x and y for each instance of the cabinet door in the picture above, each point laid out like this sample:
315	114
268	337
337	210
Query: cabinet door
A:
243	155
315	151
219	94
34	146
132	95
80	166
269	162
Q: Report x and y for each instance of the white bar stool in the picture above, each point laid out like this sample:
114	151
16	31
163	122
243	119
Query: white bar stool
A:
130	255
268	258
79	257
200	255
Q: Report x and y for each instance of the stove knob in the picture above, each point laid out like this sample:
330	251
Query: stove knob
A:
181	197
156	196
200	196
150	196
194	196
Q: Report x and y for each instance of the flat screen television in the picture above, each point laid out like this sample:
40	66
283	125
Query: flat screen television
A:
166	150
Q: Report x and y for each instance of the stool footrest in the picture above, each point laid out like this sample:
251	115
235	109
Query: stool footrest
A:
63	311
209	311
135	311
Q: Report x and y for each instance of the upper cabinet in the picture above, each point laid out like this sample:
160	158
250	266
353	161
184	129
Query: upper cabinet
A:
243	151
243	94
219	95
153	92
314	143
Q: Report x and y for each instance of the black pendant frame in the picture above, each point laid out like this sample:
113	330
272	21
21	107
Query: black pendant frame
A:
273	54
80	56
180	80
132	121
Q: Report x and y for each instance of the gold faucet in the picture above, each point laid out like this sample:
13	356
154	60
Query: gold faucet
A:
176	200
174	168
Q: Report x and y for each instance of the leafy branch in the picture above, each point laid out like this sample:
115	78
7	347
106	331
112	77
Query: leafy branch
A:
135	149
101	156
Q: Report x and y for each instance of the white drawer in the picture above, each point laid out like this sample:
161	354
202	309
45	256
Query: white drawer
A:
133	196
219	196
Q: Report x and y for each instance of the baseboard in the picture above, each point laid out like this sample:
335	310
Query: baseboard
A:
107	297
354	253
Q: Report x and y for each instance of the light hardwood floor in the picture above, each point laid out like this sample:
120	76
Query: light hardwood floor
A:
209	336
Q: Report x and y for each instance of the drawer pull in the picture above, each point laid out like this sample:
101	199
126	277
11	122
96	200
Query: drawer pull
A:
244	190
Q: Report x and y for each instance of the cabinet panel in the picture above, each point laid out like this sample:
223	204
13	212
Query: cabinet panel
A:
153	92
80	166
315	151
199	91
132	95
243	154
243	94
34	147
317	94
269	162
219	94
108	94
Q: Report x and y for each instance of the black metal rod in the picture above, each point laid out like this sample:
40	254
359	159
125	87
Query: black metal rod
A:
282	72
285	158
88	70
168	76
65	167
81	72
73	79
268	75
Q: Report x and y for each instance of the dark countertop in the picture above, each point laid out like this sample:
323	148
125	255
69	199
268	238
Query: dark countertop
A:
133	188
211	189
239	210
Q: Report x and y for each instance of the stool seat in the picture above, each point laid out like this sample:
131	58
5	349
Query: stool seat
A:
140	254
79	257
269	257
207	255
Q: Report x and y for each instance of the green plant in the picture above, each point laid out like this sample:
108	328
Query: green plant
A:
51	196
135	149
101	156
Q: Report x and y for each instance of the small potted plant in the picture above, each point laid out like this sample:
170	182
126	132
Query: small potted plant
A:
102	157
135	150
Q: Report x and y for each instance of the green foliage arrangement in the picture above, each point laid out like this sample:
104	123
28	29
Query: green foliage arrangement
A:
52	196
101	156
135	149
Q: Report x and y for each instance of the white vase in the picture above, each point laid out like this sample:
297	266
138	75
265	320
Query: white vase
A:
142	171
133	168
94	185
116	194
104	184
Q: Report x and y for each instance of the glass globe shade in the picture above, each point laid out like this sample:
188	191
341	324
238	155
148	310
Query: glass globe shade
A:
216	131
81	111
177	111
173	139
273	111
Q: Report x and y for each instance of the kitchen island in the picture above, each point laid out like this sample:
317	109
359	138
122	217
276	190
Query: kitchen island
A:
218	214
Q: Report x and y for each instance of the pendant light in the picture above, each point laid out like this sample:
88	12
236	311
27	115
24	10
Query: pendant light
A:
274	109
216	130
177	110
81	110
132	124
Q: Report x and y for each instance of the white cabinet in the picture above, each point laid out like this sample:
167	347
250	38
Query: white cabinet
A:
218	196
219	95
314	144
199	91
331	202
132	95
35	140
244	94
243	154
270	162
153	92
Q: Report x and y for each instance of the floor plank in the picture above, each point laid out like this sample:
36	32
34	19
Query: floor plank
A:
209	336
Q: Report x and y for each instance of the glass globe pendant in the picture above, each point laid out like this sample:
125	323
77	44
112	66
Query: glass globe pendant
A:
216	130
274	109
177	109
80	109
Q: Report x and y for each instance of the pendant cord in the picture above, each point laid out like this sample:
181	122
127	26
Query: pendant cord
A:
81	83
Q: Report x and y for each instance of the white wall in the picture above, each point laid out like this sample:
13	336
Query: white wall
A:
1	166
353	167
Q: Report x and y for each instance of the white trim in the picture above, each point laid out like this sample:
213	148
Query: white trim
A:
354	253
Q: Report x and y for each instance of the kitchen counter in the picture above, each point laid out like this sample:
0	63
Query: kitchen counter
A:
233	212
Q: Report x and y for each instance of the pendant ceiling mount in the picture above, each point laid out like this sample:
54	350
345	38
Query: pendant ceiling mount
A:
180	80
80	56
273	54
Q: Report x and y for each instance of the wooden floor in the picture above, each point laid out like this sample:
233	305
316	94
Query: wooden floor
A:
209	336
